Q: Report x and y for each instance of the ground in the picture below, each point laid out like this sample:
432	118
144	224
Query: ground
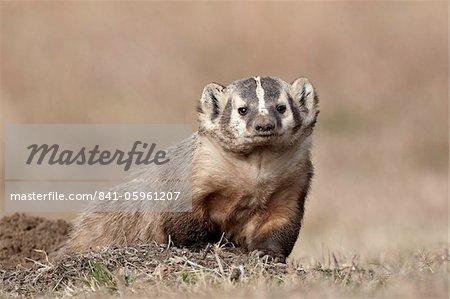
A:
218	270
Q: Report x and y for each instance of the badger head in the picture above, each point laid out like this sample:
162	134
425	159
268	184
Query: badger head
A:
258	112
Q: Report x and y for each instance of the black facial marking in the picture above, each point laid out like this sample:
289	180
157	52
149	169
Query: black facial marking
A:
295	113
247	90
226	117
279	123
271	88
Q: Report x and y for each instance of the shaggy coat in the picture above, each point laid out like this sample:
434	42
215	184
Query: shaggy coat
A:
250	171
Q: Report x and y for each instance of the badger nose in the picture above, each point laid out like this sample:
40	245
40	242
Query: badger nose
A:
264	127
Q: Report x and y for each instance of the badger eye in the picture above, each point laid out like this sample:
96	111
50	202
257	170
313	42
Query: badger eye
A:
243	110
281	108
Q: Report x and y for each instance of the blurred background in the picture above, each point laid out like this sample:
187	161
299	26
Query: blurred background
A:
381	70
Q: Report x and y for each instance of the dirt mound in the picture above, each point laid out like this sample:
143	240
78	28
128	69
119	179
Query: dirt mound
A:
120	266
161	271
22	235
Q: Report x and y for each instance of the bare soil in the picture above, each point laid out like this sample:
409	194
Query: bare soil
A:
24	239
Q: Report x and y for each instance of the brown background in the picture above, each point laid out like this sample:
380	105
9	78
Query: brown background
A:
381	69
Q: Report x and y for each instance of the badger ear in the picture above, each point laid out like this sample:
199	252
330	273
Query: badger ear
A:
211	103
305	95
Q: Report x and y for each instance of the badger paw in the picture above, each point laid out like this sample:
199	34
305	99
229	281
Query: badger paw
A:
269	256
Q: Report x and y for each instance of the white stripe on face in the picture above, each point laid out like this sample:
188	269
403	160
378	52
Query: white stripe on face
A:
260	94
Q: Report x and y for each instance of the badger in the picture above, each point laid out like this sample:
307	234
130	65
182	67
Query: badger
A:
250	176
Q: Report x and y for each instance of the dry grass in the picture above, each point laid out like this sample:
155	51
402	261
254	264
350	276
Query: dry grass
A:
160	271
381	145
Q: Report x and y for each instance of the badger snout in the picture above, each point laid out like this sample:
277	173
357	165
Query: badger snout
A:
264	125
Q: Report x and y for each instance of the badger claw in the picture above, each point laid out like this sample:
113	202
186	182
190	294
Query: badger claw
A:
269	256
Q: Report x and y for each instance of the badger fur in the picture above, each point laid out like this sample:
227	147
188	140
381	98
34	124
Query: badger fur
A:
250	172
